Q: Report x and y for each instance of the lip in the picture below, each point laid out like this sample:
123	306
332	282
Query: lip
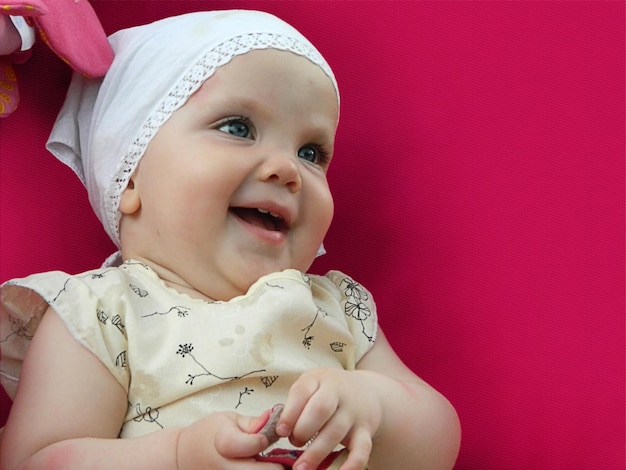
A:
281	216
283	212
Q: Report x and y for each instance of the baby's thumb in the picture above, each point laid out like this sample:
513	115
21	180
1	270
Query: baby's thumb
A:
252	424
240	440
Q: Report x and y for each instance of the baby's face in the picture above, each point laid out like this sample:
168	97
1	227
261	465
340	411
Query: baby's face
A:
233	186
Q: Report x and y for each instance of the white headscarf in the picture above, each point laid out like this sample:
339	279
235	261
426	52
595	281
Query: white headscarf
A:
106	124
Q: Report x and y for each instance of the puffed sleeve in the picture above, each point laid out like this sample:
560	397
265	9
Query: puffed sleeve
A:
80	301
358	307
21	310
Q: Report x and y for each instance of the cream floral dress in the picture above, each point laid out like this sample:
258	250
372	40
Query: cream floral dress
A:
181	358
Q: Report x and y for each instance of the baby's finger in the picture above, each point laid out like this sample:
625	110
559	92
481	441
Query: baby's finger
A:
330	436
320	416
299	395
316	415
232	442
360	448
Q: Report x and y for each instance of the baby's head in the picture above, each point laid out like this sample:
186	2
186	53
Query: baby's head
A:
205	147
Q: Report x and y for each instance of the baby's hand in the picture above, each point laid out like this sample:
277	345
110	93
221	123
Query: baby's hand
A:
329	407
222	441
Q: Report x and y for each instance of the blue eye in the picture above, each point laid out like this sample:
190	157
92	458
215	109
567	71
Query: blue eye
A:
313	154
237	127
307	153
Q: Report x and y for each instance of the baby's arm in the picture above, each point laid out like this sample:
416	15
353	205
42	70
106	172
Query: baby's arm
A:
69	410
382	412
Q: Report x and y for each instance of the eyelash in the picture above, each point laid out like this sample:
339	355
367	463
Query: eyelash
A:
243	119
323	155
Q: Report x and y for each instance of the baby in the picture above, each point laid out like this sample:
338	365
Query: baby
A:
204	151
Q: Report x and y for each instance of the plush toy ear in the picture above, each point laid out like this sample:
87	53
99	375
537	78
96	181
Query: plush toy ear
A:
23	8
9	93
72	30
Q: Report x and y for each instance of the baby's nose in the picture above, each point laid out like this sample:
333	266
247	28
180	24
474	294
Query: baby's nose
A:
282	169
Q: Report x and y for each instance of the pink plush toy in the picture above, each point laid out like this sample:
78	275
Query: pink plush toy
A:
286	457
69	27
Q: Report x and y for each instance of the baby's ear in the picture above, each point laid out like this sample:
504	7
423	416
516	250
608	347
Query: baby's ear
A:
130	202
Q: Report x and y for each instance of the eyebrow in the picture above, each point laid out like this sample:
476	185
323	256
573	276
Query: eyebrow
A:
247	104
244	105
244	102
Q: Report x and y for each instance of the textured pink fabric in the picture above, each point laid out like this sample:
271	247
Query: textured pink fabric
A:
29	8
9	91
69	27
479	185
72	30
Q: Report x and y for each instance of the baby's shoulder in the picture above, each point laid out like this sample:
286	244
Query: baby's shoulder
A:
340	284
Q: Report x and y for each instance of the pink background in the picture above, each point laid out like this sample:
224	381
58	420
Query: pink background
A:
479	184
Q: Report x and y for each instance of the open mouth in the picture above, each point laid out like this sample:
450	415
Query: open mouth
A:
261	218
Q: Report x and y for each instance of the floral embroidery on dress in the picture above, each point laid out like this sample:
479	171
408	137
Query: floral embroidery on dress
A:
269	380
355	306
179	310
139	291
186	350
308	338
337	346
149	415
22	328
246	391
